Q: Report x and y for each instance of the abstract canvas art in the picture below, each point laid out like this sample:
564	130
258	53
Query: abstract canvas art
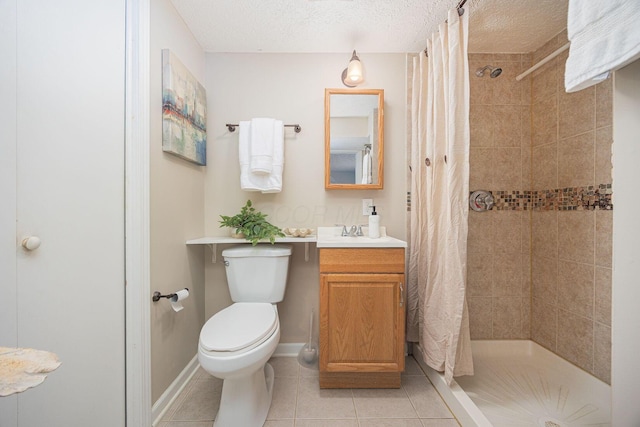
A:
184	111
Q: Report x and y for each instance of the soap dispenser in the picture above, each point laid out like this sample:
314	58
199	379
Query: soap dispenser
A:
374	224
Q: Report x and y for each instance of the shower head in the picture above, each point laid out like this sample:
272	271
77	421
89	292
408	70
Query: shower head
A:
495	72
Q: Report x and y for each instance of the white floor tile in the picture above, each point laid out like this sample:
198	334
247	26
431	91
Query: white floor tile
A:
283	403
398	422
298	401
383	403
425	398
316	403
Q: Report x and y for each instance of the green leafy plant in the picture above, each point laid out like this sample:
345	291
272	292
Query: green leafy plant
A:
253	224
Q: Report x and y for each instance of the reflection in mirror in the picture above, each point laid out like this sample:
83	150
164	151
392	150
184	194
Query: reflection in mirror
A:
354	138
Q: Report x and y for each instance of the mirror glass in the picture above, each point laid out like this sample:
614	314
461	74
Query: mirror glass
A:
353	132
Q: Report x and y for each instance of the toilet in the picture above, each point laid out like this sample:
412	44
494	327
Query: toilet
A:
236	343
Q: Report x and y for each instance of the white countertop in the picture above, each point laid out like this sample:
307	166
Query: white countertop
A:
330	237
326	237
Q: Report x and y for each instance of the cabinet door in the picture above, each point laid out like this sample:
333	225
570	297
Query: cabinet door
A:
361	323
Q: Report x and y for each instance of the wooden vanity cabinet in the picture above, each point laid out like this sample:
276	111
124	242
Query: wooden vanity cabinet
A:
361	317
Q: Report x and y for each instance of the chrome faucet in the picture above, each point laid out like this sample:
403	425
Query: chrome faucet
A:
359	232
351	232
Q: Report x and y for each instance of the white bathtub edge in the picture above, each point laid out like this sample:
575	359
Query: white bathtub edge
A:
460	404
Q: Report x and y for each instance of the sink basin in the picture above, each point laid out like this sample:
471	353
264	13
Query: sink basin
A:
330	237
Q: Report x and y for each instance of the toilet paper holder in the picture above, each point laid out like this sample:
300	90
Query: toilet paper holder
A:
157	295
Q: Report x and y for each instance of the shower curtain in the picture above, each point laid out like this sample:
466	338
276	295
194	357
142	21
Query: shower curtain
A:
437	314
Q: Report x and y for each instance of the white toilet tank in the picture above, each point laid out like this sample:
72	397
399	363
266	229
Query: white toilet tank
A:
257	273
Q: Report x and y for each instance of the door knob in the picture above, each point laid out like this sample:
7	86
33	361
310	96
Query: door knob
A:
31	243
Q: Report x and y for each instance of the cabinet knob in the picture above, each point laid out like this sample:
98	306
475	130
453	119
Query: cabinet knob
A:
401	294
31	243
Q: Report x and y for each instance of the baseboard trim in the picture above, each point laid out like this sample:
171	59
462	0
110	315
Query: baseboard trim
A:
163	403
288	349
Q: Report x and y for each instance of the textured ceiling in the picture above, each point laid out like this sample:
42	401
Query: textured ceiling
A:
296	26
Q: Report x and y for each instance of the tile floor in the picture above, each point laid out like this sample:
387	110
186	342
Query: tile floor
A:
299	402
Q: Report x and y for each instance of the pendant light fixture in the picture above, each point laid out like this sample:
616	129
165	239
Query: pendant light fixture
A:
353	75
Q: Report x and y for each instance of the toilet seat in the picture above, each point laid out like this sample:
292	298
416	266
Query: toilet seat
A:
240	326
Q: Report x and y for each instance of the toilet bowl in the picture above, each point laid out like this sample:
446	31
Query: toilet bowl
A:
239	357
237	342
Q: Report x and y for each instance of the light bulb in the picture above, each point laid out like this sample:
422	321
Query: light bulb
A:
353	74
354	71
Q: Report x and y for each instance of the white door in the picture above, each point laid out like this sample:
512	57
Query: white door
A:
62	162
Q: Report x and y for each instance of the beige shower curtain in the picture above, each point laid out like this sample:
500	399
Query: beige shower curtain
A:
437	315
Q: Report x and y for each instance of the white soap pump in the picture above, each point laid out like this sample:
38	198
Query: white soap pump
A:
374	224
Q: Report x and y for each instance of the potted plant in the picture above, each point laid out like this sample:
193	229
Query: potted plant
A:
252	224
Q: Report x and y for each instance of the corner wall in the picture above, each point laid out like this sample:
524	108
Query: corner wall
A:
177	214
572	221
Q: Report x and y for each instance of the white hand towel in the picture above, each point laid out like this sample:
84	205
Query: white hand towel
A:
261	143
274	179
604	36
244	137
271	183
366	168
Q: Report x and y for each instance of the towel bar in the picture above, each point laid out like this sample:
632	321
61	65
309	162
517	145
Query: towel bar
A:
232	127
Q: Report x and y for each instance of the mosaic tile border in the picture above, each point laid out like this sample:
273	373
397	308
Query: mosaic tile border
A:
586	198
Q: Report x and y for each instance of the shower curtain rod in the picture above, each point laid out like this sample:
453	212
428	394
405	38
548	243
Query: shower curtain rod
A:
543	61
460	10
460	13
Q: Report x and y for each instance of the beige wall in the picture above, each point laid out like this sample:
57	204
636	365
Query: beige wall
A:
177	214
571	249
542	272
498	292
291	87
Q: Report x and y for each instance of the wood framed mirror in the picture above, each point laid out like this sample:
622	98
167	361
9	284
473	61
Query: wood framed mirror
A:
354	139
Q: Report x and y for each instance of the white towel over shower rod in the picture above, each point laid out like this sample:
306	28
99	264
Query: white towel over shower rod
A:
543	61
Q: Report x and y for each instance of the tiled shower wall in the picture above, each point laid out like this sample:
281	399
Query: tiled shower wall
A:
539	267
571	249
498	271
